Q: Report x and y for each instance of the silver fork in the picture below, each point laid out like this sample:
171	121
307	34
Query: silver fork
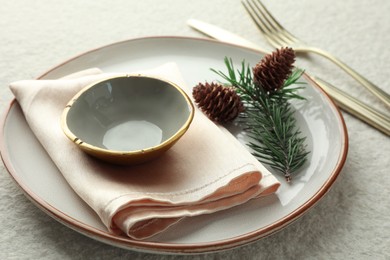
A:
278	36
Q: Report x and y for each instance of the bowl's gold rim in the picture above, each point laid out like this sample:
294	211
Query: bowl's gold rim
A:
86	146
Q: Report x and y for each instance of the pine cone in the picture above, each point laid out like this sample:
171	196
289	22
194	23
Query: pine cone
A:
271	72
221	104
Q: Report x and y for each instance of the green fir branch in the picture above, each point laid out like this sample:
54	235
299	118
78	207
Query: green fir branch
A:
269	119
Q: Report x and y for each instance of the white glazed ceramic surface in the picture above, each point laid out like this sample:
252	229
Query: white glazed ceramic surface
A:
318	118
127	118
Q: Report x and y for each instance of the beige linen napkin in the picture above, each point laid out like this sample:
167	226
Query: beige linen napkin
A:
208	170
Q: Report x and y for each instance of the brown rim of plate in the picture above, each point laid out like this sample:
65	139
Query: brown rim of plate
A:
157	247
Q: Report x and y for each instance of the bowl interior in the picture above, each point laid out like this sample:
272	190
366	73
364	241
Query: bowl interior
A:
128	113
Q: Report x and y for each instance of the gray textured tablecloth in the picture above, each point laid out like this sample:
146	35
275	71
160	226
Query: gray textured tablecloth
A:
351	222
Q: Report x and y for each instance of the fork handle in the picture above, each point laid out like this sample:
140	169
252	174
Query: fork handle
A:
382	95
355	107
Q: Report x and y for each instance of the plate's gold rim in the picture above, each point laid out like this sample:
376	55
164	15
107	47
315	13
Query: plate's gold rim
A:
124	157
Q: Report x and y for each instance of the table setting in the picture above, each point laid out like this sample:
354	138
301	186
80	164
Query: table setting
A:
202	130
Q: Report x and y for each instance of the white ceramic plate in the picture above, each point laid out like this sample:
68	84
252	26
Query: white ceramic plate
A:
320	120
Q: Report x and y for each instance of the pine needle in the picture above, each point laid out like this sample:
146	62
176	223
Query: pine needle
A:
269	119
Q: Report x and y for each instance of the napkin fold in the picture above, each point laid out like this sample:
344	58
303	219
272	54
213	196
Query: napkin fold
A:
206	171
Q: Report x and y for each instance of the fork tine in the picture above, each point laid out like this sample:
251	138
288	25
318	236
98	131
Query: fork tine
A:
275	33
274	23
260	23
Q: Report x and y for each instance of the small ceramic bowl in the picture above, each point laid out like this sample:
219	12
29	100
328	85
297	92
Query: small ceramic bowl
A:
128	119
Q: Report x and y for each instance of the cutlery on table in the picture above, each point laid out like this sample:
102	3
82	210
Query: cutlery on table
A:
278	37
353	106
223	35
